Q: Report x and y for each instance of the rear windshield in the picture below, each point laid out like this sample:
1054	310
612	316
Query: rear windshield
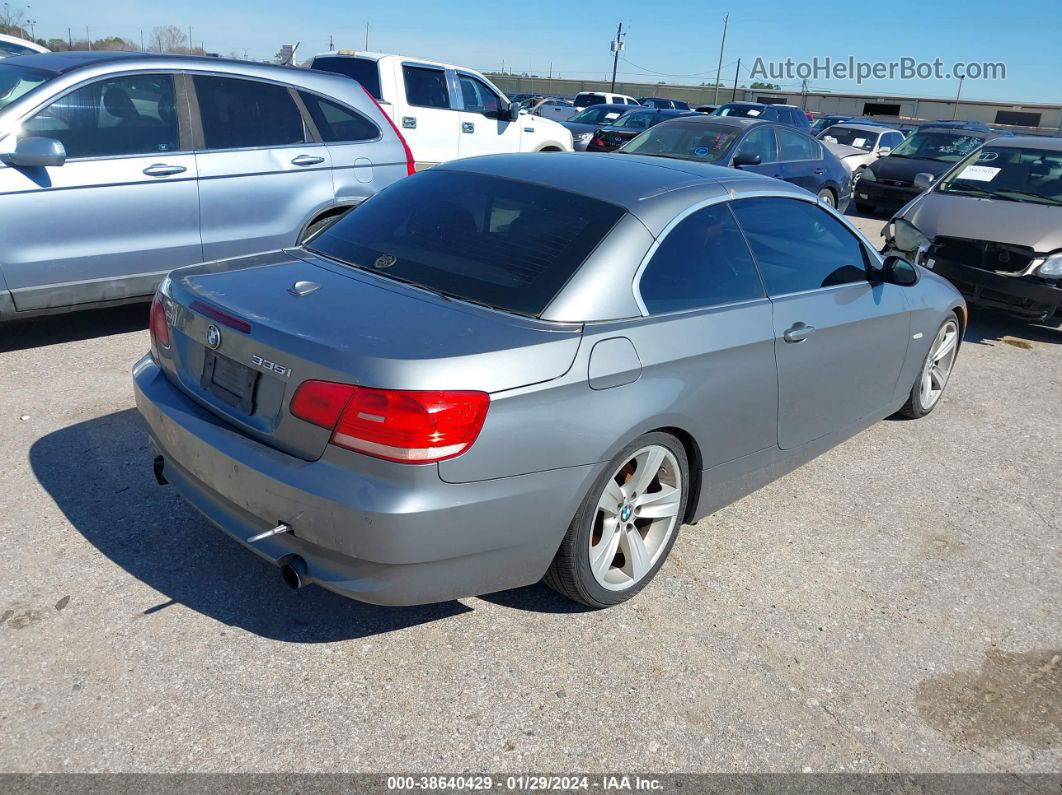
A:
586	100
365	70
15	81
493	241
744	111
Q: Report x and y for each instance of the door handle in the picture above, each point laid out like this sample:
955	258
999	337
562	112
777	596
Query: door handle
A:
798	332
307	160
163	170
818	170
468	127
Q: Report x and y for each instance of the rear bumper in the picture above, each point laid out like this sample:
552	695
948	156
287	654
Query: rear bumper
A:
1024	296
378	532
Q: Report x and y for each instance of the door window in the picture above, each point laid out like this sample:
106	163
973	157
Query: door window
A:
760	141
426	88
799	246
795	146
130	115
245	114
337	124
478	98
704	261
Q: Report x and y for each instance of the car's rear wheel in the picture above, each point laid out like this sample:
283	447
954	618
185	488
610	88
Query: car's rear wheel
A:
935	372
626	525
826	197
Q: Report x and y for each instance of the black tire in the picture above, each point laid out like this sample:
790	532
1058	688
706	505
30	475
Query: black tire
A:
570	574
913	408
316	227
866	209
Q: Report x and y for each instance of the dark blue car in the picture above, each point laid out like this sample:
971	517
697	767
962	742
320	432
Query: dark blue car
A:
776	150
623	129
783	114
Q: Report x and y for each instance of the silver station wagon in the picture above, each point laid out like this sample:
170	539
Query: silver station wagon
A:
527	366
116	168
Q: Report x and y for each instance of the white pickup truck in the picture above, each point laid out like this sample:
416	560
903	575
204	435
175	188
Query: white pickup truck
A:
443	111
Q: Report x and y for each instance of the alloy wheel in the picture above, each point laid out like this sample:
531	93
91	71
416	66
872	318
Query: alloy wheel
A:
636	515
938	365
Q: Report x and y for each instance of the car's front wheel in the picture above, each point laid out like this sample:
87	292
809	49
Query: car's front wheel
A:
626	525
935	372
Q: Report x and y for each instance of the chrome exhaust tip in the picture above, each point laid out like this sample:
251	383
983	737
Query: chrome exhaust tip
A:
293	572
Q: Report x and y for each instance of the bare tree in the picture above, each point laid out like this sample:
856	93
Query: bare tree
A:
13	21
168	38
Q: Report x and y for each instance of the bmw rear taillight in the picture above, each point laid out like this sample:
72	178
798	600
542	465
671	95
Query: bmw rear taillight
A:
411	168
158	323
409	427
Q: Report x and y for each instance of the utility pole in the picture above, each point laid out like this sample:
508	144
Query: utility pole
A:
804	95
141	39
955	108
719	68
331	46
189	38
88	38
69	38
737	71
549	85
617	46
366	35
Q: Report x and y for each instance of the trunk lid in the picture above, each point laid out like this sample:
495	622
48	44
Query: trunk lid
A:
347	326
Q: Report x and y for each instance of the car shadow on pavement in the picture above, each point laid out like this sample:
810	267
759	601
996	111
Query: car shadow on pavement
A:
987	326
37	332
98	472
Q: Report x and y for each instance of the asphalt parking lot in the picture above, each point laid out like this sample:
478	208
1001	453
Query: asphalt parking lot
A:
892	606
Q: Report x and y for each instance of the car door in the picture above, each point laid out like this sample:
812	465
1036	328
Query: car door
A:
760	140
428	115
261	176
485	128
840	340
709	334
349	137
119	214
801	158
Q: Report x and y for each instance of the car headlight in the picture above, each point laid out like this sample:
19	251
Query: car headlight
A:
1051	267
906	237
583	137
867	176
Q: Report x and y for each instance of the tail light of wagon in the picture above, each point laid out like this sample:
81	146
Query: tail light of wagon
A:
408	427
411	168
158	323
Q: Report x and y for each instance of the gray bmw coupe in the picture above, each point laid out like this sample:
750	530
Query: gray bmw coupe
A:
516	368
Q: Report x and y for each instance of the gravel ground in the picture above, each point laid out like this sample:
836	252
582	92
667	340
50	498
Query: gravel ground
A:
892	606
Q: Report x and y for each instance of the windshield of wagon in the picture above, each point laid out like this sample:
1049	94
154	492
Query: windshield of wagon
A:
849	136
947	147
1032	175
510	245
17	81
706	143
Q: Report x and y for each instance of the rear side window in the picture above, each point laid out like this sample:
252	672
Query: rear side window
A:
506	244
799	246
426	88
364	70
704	261
242	114
337	124
760	141
794	146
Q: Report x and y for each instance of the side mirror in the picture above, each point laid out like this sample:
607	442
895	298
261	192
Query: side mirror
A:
746	159
513	113
884	151
37	152
923	180
900	271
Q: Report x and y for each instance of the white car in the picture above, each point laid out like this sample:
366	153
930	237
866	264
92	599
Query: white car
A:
11	46
586	99
858	145
551	108
443	111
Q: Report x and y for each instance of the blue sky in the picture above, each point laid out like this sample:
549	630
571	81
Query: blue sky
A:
677	42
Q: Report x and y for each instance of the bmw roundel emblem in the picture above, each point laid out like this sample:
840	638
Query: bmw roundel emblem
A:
213	337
